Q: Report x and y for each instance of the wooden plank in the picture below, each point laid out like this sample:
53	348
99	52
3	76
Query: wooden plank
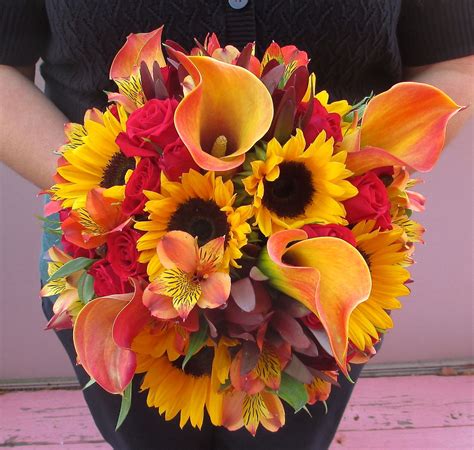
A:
45	418
420	438
410	402
426	412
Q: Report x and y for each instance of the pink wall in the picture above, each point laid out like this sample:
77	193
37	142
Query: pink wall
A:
435	324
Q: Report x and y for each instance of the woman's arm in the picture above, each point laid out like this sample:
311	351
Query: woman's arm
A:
456	78
31	127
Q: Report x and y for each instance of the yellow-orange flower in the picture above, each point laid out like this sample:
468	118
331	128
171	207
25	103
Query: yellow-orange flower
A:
296	185
387	256
201	205
92	159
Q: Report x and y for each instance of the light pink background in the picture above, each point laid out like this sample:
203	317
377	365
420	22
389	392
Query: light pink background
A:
434	325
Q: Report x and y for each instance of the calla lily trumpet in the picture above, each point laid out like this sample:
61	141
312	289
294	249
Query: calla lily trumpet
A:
224	115
404	126
103	335
327	275
139	47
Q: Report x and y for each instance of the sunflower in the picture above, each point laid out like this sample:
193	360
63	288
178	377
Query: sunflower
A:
189	391
92	159
387	256
294	186
201	205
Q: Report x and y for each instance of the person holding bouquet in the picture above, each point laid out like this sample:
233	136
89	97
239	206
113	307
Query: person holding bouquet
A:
355	48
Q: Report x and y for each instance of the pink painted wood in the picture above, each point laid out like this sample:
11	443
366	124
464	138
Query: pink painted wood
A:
385	413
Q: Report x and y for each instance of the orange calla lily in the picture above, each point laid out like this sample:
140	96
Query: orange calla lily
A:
224	115
327	275
404	126
139	47
103	332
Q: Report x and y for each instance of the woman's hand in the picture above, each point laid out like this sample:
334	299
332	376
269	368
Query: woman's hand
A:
31	127
456	78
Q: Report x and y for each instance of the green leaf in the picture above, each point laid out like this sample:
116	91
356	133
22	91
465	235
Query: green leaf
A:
196	341
85	287
293	392
89	384
125	406
70	267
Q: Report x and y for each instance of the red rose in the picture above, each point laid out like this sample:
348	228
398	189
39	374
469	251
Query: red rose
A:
177	160
146	176
106	281
149	127
122	254
332	230
320	120
371	203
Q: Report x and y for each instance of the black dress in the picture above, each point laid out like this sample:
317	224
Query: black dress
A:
356	46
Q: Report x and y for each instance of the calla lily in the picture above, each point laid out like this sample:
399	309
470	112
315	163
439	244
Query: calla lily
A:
404	126
191	276
327	275
225	114
139	47
103	333
90	227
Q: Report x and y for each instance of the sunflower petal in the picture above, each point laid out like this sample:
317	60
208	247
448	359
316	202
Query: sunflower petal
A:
243	119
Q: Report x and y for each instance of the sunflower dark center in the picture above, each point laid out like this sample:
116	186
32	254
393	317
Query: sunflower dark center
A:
291	192
199	365
200	218
116	169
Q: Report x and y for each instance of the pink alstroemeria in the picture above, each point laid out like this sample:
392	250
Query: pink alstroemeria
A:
191	276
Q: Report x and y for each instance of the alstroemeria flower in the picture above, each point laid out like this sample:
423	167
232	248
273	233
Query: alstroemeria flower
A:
326	274
224	115
67	305
191	276
103	335
89	227
404	126
125	70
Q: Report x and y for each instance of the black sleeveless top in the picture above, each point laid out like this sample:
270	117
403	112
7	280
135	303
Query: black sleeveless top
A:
356	46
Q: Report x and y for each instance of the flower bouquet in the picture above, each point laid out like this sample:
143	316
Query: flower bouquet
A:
229	233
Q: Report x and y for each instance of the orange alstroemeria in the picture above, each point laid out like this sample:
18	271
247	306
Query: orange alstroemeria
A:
191	276
241	409
89	227
67	305
404	126
327	275
224	115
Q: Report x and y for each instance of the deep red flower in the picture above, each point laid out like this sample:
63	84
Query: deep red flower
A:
106	281
333	230
371	203
146	176
321	120
149	128
177	160
122	254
